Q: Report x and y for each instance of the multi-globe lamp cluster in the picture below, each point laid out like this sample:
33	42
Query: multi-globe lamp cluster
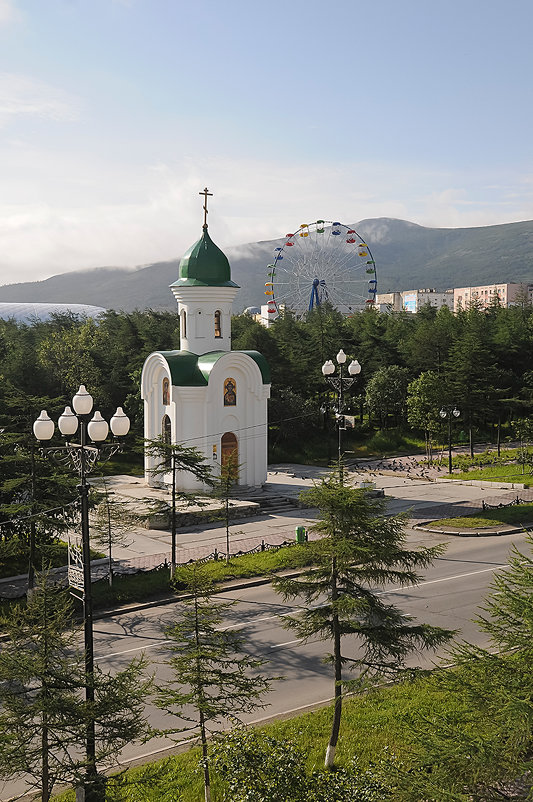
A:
82	457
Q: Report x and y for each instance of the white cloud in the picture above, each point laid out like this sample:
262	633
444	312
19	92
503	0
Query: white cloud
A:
8	12
66	213
23	95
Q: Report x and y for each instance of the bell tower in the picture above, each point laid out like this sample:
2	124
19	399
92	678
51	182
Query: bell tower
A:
204	292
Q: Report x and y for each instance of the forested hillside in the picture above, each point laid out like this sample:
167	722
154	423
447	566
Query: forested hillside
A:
408	256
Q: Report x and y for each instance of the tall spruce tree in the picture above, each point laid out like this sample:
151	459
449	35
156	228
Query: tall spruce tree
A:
360	551
214	680
471	373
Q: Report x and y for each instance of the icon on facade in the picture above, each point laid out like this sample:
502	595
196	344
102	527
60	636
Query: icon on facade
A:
230	393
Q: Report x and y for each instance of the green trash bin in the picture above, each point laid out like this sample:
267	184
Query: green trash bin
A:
300	534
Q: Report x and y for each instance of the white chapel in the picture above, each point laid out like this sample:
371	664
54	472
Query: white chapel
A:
205	395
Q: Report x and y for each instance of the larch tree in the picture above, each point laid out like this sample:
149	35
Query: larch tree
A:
173	458
477	745
43	714
360	552
213	678
112	522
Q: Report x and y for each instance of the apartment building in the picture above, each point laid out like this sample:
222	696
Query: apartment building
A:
413	300
508	295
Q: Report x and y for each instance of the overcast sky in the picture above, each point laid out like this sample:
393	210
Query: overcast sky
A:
114	114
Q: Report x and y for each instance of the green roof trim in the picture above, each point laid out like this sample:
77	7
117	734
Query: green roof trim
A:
204	265
207	362
184	370
262	364
189	370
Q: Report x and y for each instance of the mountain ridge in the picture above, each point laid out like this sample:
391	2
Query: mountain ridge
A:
408	256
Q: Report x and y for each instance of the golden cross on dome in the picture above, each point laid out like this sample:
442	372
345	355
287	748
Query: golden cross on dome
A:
205	193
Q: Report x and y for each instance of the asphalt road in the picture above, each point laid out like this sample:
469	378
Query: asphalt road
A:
449	596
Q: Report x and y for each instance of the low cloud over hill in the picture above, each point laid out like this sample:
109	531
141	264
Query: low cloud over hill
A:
408	256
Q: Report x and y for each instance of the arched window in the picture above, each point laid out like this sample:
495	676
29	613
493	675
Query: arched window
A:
166	392
230	393
166	436
183	324
218	324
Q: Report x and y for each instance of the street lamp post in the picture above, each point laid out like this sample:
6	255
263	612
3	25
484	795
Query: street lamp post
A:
83	457
449	412
340	384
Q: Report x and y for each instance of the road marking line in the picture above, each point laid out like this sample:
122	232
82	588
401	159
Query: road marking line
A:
287	643
299	609
443	579
267	618
135	649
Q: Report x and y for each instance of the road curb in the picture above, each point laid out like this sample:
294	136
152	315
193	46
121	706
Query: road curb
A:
470	533
140	606
237	584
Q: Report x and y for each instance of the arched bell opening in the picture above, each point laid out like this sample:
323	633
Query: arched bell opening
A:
218	324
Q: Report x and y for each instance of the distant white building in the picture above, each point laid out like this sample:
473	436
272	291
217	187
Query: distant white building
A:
389	301
26	312
484	295
413	300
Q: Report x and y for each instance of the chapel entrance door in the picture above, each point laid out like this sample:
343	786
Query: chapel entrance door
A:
230	455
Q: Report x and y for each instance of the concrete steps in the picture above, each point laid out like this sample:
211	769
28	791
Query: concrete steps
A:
271	504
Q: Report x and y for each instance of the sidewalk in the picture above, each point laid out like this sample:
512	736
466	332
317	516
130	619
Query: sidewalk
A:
404	485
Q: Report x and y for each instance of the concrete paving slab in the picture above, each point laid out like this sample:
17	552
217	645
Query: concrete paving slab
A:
417	493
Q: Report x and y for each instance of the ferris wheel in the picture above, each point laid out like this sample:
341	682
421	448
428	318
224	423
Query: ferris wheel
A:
322	262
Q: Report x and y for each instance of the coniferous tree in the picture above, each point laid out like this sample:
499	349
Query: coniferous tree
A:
478	743
222	485
173	458
214	680
471	372
41	677
42	712
38	500
111	524
360	551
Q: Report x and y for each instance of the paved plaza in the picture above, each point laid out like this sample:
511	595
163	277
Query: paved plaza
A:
409	487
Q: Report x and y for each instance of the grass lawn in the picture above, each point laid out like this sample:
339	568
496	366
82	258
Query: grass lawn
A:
156	584
496	473
53	555
370	725
517	515
145	586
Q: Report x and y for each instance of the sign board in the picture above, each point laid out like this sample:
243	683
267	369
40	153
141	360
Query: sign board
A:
75	564
410	301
